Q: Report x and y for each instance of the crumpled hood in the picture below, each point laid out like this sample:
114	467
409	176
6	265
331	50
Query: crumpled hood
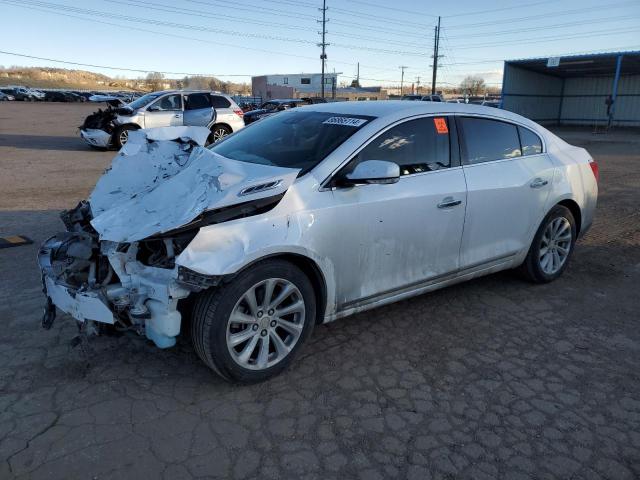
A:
159	181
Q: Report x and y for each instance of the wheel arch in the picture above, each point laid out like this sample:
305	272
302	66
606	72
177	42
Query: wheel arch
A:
574	208
221	124
309	267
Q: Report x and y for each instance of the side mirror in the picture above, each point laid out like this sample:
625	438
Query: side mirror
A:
373	171
153	108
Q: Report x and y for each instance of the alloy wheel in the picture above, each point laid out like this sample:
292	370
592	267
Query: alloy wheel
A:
265	324
555	245
123	137
219	134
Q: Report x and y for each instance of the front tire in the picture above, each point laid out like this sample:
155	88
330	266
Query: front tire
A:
552	247
250	329
121	135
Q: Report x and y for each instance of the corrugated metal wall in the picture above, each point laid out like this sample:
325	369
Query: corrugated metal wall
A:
581	101
531	94
584	101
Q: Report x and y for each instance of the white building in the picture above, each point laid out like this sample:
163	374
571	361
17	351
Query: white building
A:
293	85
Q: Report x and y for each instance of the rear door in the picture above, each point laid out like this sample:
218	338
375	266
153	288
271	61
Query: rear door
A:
397	236
164	112
198	111
506	190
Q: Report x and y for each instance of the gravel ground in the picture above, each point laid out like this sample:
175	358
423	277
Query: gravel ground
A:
495	378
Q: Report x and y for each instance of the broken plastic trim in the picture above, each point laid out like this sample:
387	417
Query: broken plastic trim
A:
197	281
225	214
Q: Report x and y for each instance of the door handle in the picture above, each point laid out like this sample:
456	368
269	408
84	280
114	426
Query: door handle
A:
538	183
177	115
449	202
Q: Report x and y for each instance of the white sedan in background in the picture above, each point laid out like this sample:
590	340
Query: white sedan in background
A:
311	215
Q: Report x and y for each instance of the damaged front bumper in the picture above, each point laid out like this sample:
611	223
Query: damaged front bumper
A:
105	282
95	137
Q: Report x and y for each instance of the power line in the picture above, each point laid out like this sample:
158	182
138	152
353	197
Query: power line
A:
546	15
170	9
546	27
395	9
124	69
190	27
480	12
597	33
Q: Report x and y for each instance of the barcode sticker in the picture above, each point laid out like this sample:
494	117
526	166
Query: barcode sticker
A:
441	125
347	121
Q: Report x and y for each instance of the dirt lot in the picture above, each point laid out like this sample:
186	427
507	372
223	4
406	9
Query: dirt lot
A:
495	378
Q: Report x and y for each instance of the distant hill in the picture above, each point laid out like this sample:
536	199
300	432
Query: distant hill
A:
39	77
44	77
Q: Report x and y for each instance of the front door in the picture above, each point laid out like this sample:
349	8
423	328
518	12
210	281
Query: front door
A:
400	235
164	112
507	191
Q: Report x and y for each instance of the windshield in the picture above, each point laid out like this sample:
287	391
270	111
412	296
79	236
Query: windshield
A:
144	100
292	139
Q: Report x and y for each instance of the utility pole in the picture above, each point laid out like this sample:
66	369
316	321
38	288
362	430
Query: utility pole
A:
402	67
418	84
323	55
436	45
358	75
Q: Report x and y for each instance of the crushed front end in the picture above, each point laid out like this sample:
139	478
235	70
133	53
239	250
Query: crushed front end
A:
131	286
119	261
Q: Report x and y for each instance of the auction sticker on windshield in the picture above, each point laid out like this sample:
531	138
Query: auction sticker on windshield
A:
347	121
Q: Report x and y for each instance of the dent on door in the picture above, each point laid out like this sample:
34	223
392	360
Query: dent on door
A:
399	235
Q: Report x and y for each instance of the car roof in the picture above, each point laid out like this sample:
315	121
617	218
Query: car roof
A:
162	92
384	108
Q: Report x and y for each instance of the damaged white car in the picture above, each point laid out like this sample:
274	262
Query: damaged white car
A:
168	108
312	215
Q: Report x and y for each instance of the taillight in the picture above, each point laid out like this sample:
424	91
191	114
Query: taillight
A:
595	169
238	112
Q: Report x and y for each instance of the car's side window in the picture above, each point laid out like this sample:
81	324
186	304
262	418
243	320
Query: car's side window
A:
169	102
220	102
485	140
420	145
197	101
530	141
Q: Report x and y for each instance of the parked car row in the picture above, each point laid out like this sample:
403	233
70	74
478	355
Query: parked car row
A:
27	94
21	94
278	105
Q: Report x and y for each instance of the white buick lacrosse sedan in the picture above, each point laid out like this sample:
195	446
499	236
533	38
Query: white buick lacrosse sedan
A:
311	215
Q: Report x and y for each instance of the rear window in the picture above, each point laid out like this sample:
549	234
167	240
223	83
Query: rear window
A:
293	139
196	101
220	102
485	140
531	143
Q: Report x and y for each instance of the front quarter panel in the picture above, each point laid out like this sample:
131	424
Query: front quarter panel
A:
294	226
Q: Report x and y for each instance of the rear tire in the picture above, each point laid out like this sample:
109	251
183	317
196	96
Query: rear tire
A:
248	342
551	248
218	132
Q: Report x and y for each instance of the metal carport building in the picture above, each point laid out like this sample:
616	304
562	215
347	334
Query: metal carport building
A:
594	89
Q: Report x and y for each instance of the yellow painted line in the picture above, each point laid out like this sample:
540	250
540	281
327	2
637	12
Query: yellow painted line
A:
14	241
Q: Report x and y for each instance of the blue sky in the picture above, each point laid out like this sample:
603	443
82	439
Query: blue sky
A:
239	38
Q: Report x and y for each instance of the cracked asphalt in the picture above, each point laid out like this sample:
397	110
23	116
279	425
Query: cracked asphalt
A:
495	378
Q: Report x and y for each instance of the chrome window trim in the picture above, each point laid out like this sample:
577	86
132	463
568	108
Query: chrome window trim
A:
499	119
323	185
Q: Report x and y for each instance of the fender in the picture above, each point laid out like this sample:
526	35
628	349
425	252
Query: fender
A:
226	248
